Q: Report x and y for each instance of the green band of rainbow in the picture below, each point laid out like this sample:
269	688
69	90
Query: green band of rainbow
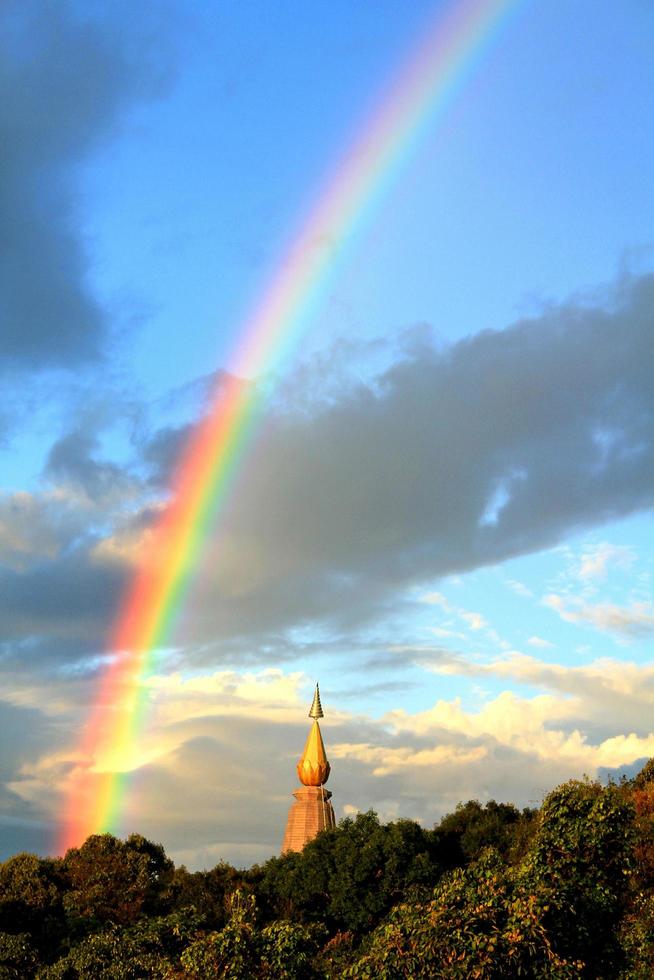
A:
429	81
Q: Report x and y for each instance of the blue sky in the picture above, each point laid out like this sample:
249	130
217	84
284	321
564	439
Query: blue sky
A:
446	515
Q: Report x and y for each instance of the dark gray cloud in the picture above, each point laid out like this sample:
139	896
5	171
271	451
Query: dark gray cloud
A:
500	445
65	78
616	773
26	733
450	459
67	596
56	596
73	460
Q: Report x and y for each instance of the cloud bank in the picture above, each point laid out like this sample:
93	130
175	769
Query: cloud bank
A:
216	764
346	504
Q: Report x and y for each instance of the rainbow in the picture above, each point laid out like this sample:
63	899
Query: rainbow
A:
424	88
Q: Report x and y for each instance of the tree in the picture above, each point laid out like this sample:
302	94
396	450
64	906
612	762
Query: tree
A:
207	891
637	927
580	866
31	890
149	948
110	955
240	951
471	828
115	881
645	777
233	953
481	923
567	892
18	958
351	876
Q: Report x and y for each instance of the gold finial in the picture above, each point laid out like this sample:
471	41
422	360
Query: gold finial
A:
313	768
316	707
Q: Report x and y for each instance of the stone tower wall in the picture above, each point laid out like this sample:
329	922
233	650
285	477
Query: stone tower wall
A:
311	813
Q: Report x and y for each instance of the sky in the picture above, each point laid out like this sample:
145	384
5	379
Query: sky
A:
445	515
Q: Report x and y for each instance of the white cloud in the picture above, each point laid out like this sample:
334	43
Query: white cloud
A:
538	641
626	622
474	619
216	763
519	588
446	634
596	559
385	761
436	599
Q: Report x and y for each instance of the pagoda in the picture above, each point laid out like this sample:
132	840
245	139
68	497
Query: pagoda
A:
312	811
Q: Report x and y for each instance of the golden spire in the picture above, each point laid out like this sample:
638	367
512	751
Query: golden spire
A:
313	767
316	707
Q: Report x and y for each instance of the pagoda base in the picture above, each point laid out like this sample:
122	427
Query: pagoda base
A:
311	813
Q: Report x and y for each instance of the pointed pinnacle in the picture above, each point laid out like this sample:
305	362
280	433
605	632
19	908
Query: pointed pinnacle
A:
316	707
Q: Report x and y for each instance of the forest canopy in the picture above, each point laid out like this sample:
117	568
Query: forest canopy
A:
490	891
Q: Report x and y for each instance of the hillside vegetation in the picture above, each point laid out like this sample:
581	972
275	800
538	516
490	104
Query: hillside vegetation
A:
491	891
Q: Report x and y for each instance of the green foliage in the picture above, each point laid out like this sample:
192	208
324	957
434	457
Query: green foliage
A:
351	877
18	958
241	951
637	938
289	950
337	954
581	863
31	899
167	935
28	886
637	927
472	827
481	923
114	881
146	949
645	777
233	953
111	955
206	890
